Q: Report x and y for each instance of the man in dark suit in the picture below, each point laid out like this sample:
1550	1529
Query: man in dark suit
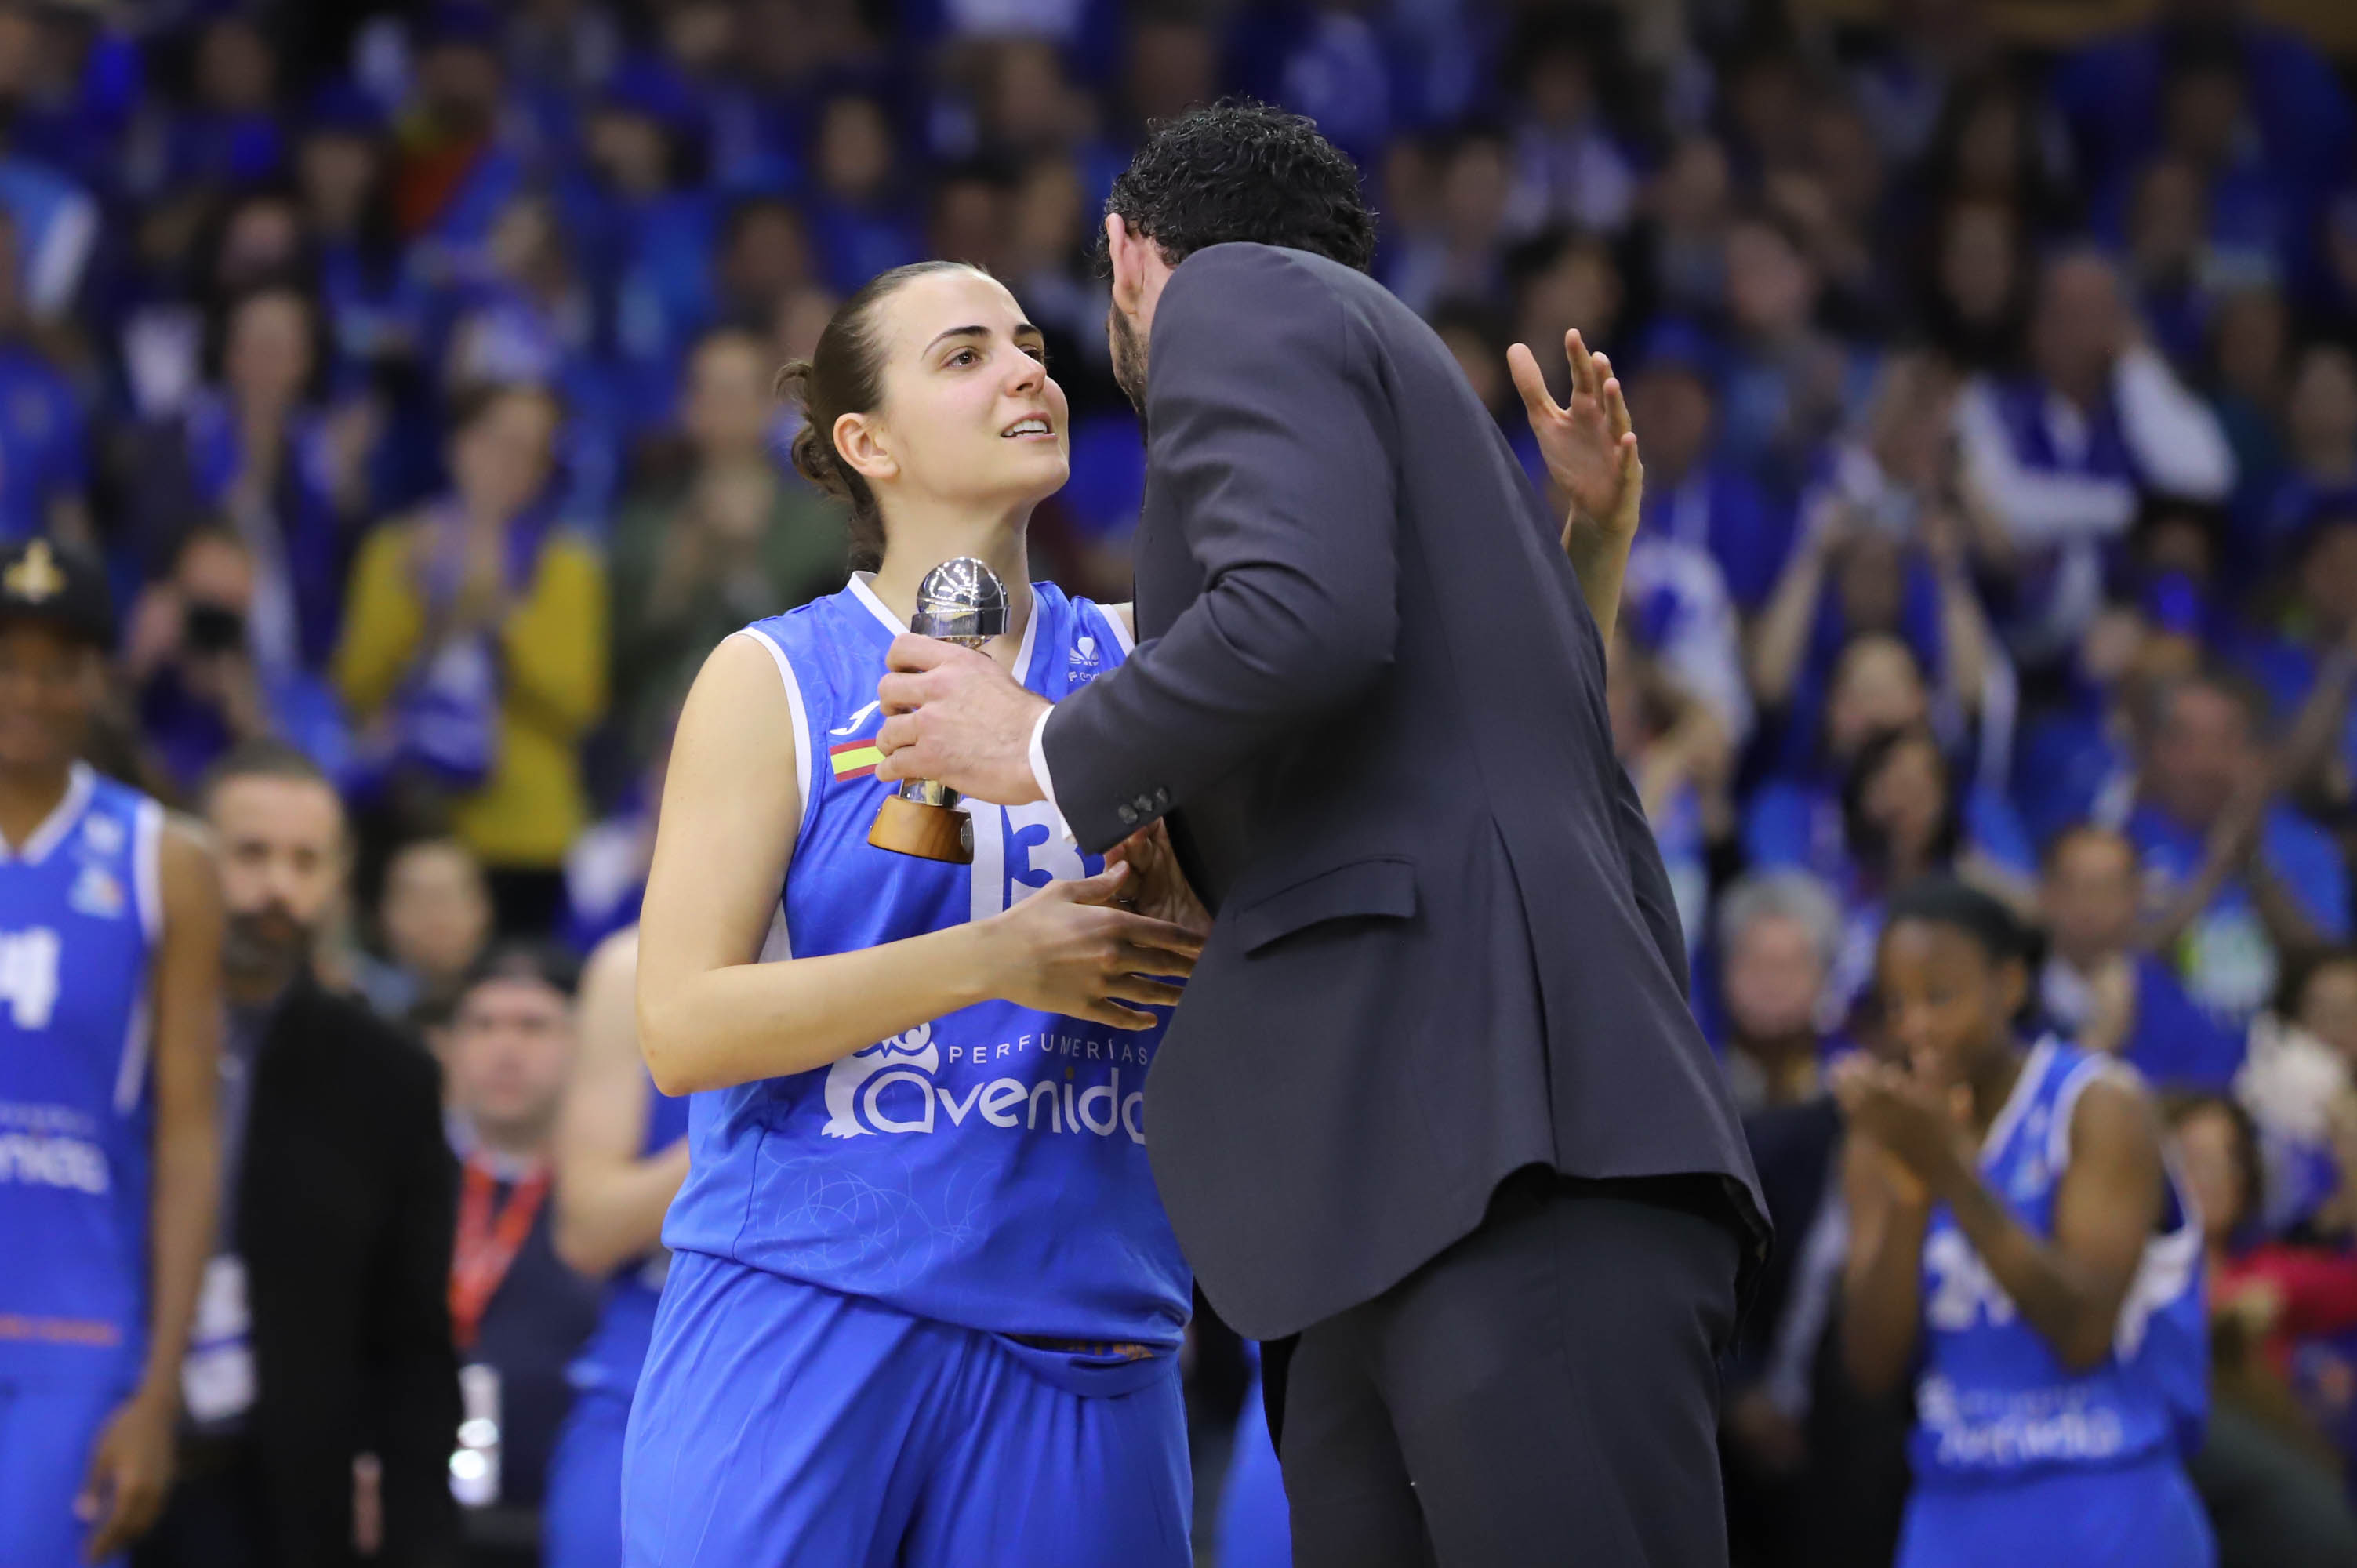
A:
322	1349
1433	1103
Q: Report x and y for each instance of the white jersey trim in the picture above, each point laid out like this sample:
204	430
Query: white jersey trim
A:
863	590
80	781
801	724
2017	1104
147	867
130	1076
1118	624
147	876
2095	1069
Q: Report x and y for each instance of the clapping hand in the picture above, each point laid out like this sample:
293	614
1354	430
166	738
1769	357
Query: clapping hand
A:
1588	444
1924	1129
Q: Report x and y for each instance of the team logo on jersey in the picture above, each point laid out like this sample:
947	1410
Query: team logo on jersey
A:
891	1087
862	716
97	893
864	1074
856	759
1082	664
102	836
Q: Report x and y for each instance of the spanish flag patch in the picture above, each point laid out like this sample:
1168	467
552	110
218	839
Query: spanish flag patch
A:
855	758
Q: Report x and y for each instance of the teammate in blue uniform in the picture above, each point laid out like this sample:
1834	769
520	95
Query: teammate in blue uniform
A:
109	1006
924	1306
2018	1238
621	1153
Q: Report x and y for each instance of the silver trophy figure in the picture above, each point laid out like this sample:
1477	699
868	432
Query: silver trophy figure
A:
960	601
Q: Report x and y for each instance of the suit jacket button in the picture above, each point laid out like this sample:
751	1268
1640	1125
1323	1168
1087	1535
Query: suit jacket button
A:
1128	815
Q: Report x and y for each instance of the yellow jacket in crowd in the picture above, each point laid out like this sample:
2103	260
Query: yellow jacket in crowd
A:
552	642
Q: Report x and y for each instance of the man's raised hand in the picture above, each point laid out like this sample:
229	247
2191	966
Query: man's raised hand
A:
1589	446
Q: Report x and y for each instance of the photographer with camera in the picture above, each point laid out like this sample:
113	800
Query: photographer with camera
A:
201	690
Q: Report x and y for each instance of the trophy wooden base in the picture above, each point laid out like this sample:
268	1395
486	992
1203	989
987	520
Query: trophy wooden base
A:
929	832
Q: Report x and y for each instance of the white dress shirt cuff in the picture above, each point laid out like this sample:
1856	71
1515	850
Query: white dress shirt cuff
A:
1039	768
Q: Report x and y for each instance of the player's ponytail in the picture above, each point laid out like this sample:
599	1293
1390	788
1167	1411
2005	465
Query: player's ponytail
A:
845	375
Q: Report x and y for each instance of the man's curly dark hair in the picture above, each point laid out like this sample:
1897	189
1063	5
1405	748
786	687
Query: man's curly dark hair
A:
1243	171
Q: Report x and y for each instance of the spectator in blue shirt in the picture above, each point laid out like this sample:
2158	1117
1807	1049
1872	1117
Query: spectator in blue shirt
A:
1679	752
454	175
1684	258
859	214
2102	988
201	690
1569	165
2064	455
2242	880
1852	580
764	254
56	220
2077	760
1904	812
2250	348
75	89
1690	495
1463	252
1564	275
229	133
2115	95
533	321
2308	667
343	167
1796	818
2321	427
44	443
1978	286
258	450
1788	385
644	233
2242	218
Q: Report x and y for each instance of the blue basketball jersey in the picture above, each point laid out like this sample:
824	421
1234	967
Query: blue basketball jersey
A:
617	1347
987	1169
1993	1401
81	910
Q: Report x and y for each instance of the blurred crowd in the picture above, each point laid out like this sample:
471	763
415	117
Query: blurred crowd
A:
410	367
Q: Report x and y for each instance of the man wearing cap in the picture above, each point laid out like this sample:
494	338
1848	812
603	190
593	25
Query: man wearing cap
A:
110	1004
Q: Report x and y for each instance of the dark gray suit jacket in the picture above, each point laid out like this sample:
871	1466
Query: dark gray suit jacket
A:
1369	699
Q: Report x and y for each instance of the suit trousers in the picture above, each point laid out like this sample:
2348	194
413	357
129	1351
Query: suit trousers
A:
1544	1391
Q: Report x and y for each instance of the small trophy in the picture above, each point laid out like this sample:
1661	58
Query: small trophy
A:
960	601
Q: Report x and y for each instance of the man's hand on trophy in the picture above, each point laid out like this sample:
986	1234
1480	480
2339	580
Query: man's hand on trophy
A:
1157	887
1589	447
955	717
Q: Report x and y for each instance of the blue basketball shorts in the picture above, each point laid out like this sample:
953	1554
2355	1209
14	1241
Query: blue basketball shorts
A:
48	1433
581	1512
779	1423
1256	1531
2143	1513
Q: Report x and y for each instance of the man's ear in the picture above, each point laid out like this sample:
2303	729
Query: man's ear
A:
1126	252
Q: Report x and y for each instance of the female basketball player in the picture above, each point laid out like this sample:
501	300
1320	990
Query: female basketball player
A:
110	1014
2016	1236
923	1306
